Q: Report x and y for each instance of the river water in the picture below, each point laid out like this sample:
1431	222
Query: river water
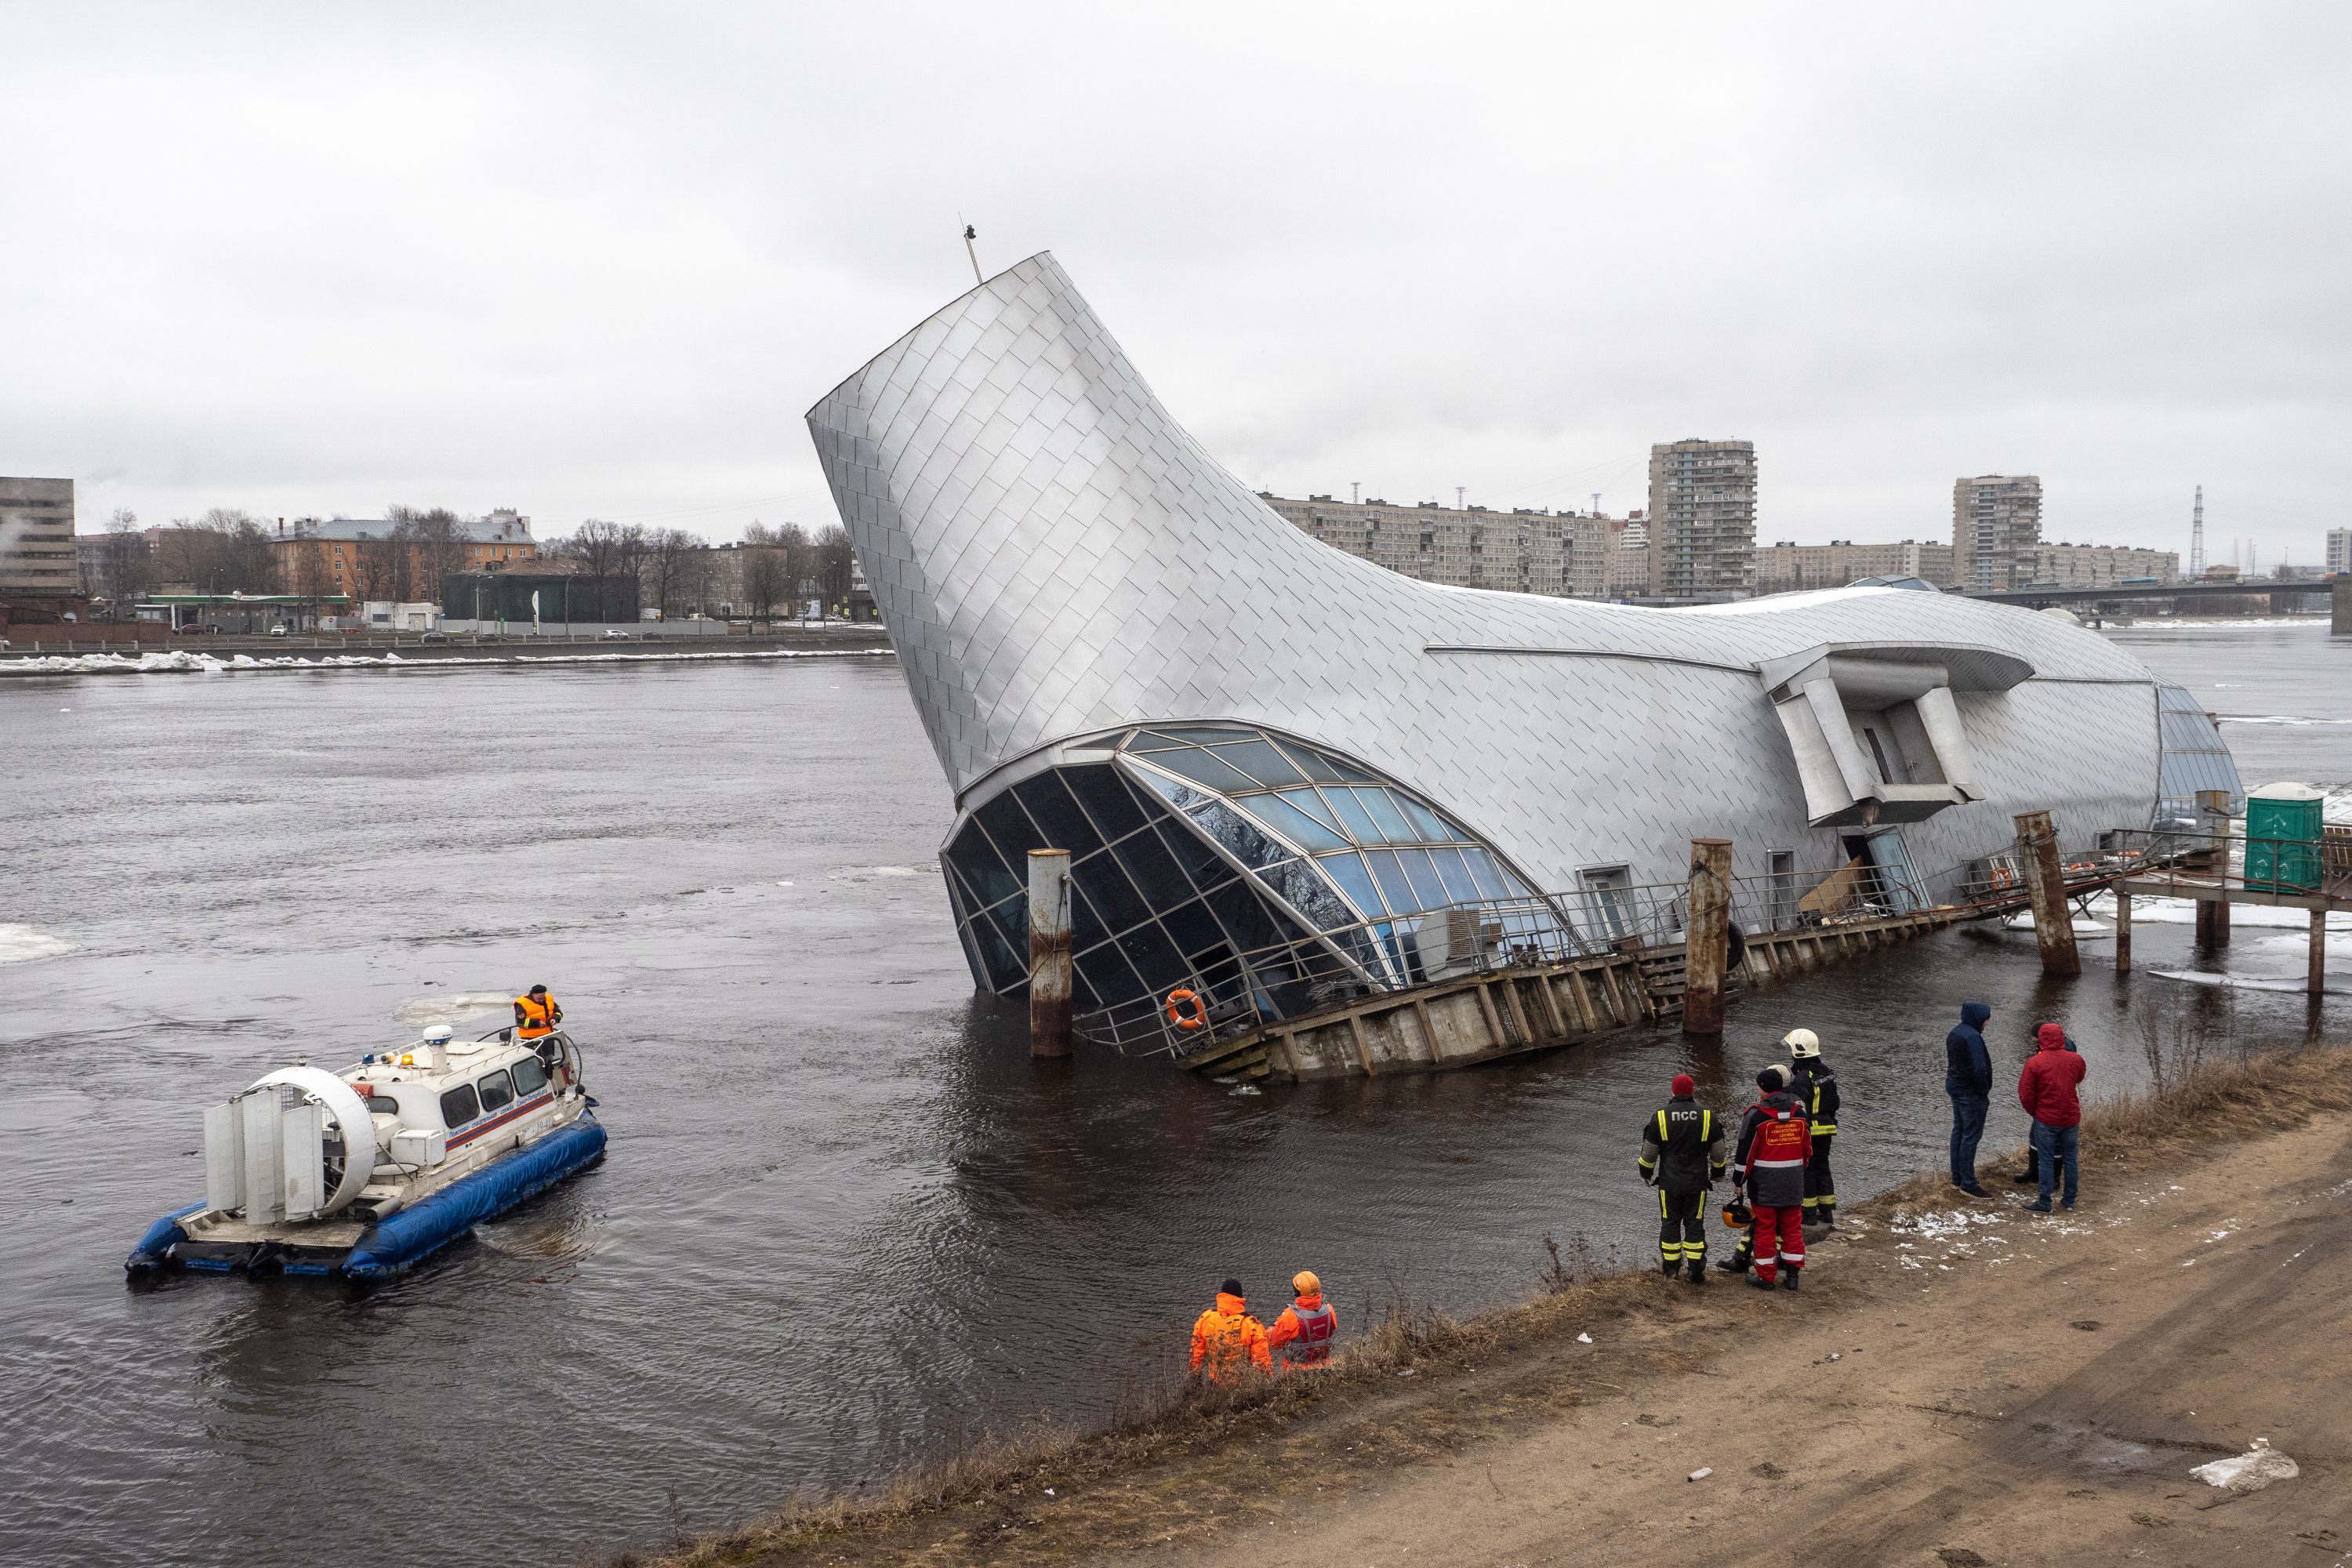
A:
842	1220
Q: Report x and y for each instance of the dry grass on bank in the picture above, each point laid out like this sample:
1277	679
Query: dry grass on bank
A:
2192	1101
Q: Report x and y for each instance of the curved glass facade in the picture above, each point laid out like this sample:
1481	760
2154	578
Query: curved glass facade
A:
1234	860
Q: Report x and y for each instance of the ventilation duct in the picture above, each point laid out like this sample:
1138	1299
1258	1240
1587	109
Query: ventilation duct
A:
1875	733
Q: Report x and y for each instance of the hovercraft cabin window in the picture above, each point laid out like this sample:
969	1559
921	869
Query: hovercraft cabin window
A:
459	1106
383	1105
497	1090
530	1076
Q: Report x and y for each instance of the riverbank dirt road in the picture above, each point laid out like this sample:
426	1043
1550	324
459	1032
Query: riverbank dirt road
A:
1959	1382
2006	1388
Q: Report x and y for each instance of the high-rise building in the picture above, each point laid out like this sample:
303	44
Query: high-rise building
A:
2339	550
1996	522
37	537
1702	519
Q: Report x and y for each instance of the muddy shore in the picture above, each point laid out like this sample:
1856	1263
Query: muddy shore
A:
1959	1382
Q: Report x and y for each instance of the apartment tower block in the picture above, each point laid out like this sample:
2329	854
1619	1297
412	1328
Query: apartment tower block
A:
1702	519
1995	524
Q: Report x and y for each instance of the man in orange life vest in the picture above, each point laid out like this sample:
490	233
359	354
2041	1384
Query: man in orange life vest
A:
1306	1328
1227	1342
1775	1145
536	1015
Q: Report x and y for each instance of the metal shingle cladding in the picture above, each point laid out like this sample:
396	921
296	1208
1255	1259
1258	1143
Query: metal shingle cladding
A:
1055	556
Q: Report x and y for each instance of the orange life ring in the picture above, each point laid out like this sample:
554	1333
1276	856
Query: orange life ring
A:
1176	1016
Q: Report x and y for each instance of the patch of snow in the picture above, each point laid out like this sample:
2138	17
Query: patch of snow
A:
2251	1471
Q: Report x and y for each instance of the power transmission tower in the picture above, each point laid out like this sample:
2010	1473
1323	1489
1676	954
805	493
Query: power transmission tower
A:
2197	538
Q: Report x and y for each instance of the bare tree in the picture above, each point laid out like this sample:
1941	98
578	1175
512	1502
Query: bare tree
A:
833	565
767	578
125	564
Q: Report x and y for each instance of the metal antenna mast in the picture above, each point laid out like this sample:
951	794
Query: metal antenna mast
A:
2197	537
1459	492
969	235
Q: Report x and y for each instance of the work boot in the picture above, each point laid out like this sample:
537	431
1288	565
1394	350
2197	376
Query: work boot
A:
1758	1280
1788	1277
1734	1264
1697	1272
2031	1175
1829	1217
1670	1267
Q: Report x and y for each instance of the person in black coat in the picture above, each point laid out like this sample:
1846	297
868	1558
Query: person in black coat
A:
1679	1158
1967	1079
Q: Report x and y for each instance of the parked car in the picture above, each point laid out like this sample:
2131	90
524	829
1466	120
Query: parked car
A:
617	632
433	637
278	631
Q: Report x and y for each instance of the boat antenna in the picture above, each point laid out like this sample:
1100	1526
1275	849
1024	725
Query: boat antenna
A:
970	234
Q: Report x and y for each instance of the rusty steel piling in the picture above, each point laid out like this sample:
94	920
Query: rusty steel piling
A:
1707	936
2045	881
1049	952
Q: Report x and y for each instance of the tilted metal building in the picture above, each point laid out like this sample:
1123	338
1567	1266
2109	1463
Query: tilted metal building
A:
1256	744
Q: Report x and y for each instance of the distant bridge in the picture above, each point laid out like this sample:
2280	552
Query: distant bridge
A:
2040	598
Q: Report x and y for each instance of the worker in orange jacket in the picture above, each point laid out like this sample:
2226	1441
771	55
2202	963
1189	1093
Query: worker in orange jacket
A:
1226	1341
1304	1331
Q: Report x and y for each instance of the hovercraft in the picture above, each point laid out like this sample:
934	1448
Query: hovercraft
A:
363	1172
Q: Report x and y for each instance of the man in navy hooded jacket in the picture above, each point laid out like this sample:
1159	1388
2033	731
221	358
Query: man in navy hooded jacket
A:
1967	1079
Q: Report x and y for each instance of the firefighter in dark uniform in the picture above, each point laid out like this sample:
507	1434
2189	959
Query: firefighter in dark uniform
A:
1680	1159
1815	1086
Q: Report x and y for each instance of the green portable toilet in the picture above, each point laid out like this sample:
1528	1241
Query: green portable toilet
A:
2282	834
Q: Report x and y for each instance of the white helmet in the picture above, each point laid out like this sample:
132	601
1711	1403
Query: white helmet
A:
1803	1043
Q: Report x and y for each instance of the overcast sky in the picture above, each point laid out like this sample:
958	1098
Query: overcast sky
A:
595	260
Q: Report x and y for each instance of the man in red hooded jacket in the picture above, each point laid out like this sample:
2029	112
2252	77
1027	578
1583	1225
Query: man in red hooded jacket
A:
2046	1089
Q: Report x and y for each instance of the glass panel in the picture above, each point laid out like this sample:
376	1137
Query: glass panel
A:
1425	824
530	1075
1198	935
1277	813
1391	822
1236	834
1104	794
459	1106
1353	815
1111	977
1347	871
1200	861
1204	768
1313	805
1402	899
1299	884
1179	795
1261	762
1109	890
1010	921
1004	972
985	880
1066	826
1195	732
1010	830
1491	878
497	1090
1311	764
1423	877
1460	887
1155	958
1157	879
1086	925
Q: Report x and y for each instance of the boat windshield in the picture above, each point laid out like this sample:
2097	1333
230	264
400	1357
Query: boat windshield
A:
530	1075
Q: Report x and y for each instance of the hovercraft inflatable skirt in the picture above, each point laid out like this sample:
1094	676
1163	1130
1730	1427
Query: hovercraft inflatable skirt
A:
392	1244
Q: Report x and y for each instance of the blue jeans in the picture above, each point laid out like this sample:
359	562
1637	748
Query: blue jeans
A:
2055	1143
1967	1130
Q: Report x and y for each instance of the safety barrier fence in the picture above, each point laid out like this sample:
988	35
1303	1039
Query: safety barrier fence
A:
2188	862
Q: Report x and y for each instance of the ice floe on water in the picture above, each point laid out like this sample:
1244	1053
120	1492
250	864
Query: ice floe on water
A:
182	661
424	1011
22	944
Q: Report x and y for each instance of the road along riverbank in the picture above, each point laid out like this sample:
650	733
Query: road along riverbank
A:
1960	1382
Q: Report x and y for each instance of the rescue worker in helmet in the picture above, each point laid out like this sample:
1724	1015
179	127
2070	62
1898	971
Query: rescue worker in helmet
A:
1776	1143
1815	1086
536	1014
1304	1333
1227	1342
1680	1158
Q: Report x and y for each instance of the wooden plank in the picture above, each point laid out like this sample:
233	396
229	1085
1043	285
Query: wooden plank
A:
1551	1007
1363	1051
1516	1010
1428	1031
1579	1000
1496	1037
1290	1052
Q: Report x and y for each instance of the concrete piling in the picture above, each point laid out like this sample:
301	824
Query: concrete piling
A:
1707	930
2045	881
1049	952
2339	609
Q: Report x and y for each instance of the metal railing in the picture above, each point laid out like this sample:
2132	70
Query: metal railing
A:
2191	861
